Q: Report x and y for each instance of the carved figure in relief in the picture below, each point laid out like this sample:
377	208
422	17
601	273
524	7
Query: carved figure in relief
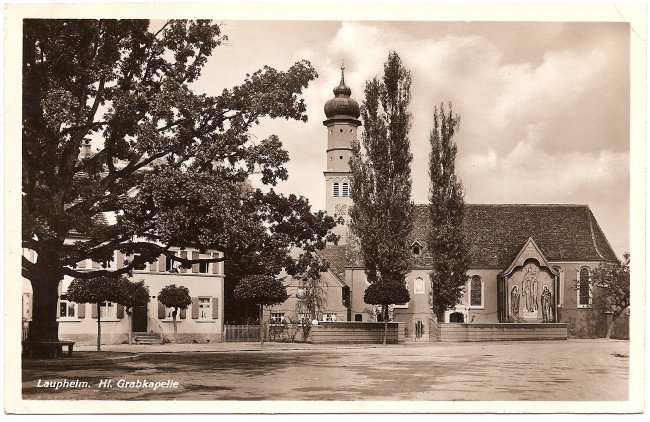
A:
514	302
529	288
547	299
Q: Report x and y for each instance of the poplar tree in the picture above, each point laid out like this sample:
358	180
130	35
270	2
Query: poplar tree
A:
446	238
382	215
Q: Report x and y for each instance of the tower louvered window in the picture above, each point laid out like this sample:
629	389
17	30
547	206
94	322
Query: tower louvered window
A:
336	190
346	190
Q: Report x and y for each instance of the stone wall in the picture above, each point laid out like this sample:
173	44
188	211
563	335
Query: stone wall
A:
501	332
356	333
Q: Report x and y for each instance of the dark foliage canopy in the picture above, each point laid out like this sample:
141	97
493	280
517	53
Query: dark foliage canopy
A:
386	293
173	296
611	285
99	289
261	290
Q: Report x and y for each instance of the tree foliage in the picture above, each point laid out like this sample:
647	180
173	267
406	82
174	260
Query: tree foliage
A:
173	296
263	290
382	215
386	293
135	294
99	289
446	238
611	287
111	125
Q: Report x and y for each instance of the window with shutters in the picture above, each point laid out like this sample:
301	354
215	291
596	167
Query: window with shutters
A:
171	266
476	292
204	267
584	288
108	310
345	190
336	189
67	309
205	308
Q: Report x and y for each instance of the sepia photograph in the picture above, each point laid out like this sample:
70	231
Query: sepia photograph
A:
234	209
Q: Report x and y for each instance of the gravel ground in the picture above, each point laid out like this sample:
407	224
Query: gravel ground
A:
573	370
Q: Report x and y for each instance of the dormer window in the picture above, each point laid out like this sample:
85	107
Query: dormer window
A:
416	248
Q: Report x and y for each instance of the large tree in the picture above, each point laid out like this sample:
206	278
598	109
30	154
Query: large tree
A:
446	238
611	290
111	125
382	215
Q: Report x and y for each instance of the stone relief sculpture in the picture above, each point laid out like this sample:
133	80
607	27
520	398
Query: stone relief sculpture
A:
547	300
529	289
514	302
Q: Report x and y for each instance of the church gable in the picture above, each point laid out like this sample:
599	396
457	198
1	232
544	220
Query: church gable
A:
530	251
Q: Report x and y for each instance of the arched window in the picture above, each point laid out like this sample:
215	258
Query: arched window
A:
476	292
584	288
418	286
336	190
345	190
416	248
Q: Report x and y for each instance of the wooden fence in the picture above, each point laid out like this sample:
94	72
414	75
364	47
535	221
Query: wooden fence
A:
242	333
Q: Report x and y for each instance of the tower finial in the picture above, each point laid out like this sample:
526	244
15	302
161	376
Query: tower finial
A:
342	73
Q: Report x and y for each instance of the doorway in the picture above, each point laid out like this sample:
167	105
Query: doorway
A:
140	319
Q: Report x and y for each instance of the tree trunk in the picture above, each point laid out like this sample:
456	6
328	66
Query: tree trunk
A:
44	326
262	326
385	309
128	314
99	326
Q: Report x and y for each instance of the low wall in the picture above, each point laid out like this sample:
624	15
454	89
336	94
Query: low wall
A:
501	332
356	333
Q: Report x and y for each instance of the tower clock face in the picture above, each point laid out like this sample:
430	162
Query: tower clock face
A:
341	209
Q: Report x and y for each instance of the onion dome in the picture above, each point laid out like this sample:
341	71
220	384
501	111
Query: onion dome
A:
342	105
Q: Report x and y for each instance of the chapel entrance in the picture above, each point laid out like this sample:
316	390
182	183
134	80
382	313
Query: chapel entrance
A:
140	319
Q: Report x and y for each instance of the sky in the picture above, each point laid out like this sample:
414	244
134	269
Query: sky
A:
544	106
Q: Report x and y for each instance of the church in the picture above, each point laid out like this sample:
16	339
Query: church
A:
530	263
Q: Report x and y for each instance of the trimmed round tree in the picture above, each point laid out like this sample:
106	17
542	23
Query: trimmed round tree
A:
262	290
177	297
97	290
136	294
386	293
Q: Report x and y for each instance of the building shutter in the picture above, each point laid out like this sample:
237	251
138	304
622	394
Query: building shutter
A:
215	265
120	311
183	313
81	310
215	308
162	264
195	267
161	311
184	256
94	310
195	308
119	261
95	264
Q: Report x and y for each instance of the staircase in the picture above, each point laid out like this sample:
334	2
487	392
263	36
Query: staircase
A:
147	338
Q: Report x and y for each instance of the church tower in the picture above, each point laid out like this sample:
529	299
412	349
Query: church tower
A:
342	114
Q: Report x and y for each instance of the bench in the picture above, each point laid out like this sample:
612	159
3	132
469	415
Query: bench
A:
50	348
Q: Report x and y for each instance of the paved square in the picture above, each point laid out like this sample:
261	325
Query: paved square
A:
558	371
